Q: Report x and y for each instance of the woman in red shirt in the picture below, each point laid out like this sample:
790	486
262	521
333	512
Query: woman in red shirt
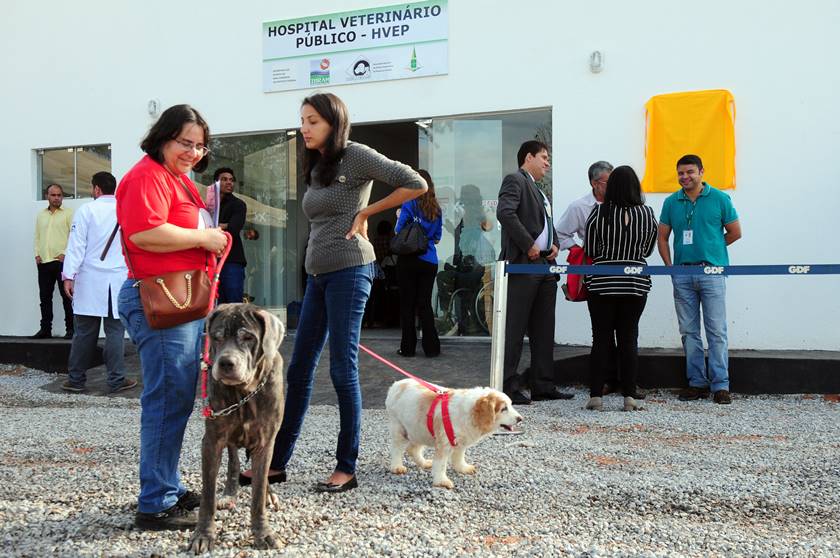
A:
165	227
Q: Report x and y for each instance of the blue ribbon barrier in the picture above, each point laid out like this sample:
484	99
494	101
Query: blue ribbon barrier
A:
782	269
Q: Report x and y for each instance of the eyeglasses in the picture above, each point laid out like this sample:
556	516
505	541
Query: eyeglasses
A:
190	146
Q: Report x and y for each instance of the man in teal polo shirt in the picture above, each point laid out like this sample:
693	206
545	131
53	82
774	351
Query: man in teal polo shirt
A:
704	222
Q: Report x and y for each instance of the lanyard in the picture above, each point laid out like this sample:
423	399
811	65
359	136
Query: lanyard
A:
689	212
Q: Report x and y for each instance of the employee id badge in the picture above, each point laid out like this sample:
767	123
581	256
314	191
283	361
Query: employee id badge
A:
688	237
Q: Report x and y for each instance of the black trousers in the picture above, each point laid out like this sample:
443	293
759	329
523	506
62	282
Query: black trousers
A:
530	309
48	275
416	279
614	317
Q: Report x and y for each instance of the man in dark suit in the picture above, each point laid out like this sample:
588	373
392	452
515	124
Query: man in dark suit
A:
528	236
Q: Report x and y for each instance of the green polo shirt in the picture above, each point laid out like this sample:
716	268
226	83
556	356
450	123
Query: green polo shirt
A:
705	217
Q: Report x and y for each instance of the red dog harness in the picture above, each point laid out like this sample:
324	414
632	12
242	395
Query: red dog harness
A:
442	396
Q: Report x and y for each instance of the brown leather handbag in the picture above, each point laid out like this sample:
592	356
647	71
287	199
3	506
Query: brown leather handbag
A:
175	298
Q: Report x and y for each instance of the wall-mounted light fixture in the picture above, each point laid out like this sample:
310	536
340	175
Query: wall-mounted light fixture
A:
153	106
596	61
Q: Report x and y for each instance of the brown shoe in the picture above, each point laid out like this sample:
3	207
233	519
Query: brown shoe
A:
694	393
126	384
722	397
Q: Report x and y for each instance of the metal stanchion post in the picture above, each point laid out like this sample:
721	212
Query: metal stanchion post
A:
497	343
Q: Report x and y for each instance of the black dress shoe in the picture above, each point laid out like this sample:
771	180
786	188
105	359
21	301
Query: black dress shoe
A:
551	395
276	478
175	518
330	487
402	354
42	334
519	398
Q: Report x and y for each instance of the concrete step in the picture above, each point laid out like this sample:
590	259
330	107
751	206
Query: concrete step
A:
750	372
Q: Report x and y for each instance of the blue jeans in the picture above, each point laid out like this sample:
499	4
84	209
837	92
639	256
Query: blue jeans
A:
691	292
169	359
231	283
333	307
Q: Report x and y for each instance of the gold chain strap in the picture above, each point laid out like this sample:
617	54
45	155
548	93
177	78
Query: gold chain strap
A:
186	304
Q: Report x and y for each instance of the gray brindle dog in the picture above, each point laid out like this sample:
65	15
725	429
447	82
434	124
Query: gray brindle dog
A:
245	391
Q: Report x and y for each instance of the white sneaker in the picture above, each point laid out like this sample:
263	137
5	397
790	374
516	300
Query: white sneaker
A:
595	404
631	404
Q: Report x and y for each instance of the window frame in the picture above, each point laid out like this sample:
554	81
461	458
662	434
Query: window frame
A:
39	152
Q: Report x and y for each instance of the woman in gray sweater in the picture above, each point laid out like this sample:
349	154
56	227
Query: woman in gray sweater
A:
339	265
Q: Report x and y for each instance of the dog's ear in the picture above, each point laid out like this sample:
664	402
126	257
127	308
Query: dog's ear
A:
275	331
484	413
208	323
499	403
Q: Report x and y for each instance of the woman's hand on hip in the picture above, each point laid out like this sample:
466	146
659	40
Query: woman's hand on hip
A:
360	226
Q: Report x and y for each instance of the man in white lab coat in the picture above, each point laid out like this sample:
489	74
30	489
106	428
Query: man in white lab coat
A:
94	271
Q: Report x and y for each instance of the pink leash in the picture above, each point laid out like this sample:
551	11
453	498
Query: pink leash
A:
207	412
442	397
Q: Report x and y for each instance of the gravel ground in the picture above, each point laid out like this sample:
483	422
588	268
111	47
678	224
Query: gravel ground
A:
758	478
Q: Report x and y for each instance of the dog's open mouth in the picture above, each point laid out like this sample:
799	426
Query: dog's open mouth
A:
507	427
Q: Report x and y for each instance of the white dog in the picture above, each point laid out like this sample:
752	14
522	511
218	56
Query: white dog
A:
475	414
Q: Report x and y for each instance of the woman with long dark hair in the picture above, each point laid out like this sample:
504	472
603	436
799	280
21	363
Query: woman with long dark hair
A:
339	266
620	231
165	227
416	274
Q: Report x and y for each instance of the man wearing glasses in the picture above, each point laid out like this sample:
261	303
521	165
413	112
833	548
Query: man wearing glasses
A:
231	219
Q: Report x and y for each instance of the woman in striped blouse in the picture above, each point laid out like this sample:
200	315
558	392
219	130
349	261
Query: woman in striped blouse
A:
621	231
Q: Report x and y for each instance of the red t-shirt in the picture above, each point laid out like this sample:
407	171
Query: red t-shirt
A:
147	197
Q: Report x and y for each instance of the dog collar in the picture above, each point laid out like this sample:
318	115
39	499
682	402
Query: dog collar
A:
207	412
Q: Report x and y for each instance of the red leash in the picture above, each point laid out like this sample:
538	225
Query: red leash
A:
442	397
207	412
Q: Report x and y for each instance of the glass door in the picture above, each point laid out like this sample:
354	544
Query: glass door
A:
467	157
266	180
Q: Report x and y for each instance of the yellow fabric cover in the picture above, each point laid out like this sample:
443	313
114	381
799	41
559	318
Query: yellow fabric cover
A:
695	122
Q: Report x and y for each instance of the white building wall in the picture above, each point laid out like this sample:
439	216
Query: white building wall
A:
82	73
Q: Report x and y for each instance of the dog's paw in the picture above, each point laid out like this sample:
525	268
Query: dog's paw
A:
426	464
201	542
272	501
466	469
226	503
265	541
445	483
399	470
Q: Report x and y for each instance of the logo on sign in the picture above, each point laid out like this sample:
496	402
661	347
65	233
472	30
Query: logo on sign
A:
359	70
633	270
799	269
413	65
713	270
557	269
319	71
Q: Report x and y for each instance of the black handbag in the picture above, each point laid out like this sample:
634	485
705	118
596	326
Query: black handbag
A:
410	241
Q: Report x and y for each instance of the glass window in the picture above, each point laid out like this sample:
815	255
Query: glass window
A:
262	165
467	157
71	168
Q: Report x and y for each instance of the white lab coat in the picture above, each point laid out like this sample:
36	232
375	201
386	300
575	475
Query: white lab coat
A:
95	280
